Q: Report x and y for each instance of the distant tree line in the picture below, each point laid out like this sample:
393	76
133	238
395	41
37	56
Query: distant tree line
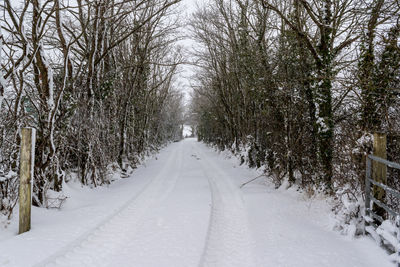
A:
95	78
299	85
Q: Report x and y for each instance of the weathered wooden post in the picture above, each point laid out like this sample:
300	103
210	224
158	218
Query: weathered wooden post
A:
379	171
26	176
368	191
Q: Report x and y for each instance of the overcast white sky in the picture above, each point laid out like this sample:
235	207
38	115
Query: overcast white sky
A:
186	71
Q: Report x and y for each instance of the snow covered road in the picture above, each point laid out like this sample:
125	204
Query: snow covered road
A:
185	208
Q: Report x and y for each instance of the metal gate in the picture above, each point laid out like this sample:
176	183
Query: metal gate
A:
374	220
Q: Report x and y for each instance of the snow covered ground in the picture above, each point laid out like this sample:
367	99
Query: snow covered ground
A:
185	208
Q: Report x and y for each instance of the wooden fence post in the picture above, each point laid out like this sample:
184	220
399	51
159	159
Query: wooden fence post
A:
379	171
368	188
25	174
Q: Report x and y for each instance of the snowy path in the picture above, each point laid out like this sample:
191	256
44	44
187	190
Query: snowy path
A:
229	241
108	242
186	209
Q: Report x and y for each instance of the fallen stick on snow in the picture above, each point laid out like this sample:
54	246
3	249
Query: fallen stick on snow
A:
252	180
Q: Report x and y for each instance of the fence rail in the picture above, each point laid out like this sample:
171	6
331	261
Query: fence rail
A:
370	199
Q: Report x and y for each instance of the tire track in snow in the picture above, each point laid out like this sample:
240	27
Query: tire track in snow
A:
228	243
120	227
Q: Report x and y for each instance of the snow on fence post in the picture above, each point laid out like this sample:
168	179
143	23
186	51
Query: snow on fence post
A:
379	171
26	176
